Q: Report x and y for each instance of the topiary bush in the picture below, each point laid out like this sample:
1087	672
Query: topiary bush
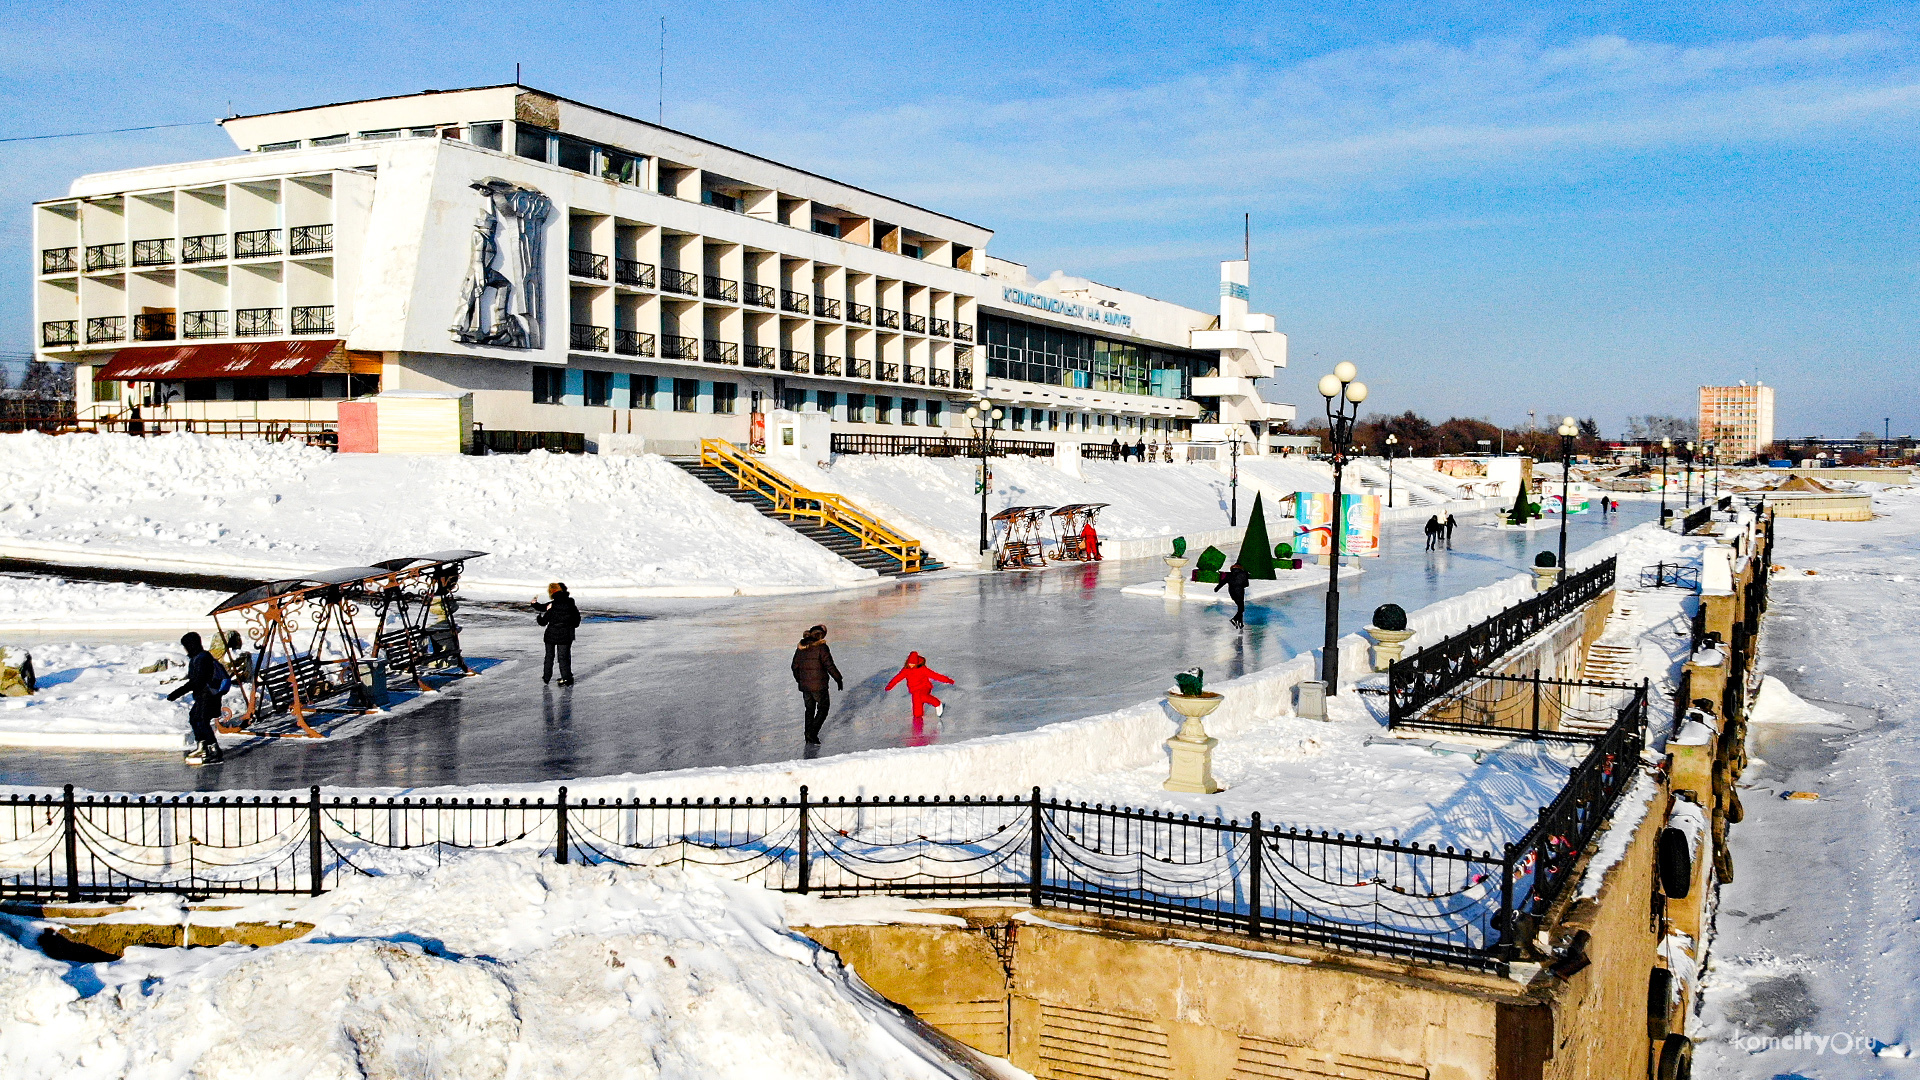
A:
1545	559
1390	617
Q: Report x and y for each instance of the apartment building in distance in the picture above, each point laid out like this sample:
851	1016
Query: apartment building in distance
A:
576	270
1737	420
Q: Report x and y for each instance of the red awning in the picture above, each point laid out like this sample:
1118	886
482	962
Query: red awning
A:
245	360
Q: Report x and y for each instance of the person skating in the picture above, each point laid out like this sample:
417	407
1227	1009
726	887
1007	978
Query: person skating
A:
206	681
1448	526
561	616
1235	580
1433	532
920	679
812	667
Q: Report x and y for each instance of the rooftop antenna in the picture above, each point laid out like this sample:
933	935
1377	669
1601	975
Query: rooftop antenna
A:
663	71
516	73
1246	238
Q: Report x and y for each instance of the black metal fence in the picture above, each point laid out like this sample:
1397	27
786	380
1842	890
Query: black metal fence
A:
1354	892
1670	575
925	446
1419	680
1529	707
1696	519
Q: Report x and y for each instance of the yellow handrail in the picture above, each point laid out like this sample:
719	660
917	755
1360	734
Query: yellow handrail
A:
790	500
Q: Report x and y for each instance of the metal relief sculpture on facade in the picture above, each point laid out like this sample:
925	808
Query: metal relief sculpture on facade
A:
503	302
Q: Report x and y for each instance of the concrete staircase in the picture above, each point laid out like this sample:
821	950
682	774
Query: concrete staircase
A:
834	539
1606	662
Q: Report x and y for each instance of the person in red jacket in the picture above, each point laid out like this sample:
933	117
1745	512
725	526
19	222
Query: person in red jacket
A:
920	679
1090	541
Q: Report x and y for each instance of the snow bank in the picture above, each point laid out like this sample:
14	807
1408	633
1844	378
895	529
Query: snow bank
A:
94	696
609	526
1776	704
41	604
493	964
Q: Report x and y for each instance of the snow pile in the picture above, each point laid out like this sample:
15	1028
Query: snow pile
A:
38	604
1775	704
606	525
492	965
95	696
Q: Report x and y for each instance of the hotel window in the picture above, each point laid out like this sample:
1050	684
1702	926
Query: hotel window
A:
720	199
858	411
686	395
574	154
724	396
1019	419
911	251
385	133
530	142
793	400
882	409
644	387
599	387
618	167
268	148
909	411
485	136
826	228
549	385
825	401
934	416
330	140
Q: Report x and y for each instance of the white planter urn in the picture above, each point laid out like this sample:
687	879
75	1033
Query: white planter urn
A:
1388	646
1191	747
1544	577
1176	576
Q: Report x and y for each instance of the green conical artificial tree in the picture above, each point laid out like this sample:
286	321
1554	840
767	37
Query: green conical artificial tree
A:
1520	507
1256	551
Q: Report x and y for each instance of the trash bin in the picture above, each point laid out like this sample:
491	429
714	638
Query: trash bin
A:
373	675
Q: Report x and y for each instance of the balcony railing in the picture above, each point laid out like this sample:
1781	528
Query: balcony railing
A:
826	307
860	313
256	322
203	324
826	365
963	332
859	369
962	377
795	361
916	375
106	257
632	343
310	240
199	249
106	328
889	372
587	265
916	324
760	295
64	260
794	301
760	356
256	242
889	320
727	289
153	253
313	319
59	332
673	347
680	281
588	338
633	272
942	328
155	326
941	377
722	352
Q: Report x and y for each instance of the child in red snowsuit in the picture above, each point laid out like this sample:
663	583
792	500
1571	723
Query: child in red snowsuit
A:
920	679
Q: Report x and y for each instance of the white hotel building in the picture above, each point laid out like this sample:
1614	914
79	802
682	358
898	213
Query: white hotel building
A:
576	270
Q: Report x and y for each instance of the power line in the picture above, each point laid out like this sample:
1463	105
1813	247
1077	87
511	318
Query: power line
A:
110	131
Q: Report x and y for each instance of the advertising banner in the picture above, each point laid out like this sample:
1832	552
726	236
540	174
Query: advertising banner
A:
1313	523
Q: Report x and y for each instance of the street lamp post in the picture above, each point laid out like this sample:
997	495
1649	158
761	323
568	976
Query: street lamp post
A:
1568	429
1666	447
1344	395
1391	440
1688	496
1233	480
982	414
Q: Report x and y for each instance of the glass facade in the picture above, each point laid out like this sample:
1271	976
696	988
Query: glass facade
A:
1057	356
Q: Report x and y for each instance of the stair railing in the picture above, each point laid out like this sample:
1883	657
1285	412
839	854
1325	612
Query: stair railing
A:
790	500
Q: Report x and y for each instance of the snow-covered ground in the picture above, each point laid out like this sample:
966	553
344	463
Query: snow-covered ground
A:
1814	969
493	964
94	696
40	605
606	525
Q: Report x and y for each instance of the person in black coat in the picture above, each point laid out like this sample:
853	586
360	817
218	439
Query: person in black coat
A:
812	667
1448	526
1235	580
206	681
561	616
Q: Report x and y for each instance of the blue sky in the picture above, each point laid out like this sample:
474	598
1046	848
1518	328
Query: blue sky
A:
1490	208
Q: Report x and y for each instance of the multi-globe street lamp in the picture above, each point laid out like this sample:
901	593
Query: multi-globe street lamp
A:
981	414
1666	448
1344	395
1687	490
1568	429
1233	480
1391	441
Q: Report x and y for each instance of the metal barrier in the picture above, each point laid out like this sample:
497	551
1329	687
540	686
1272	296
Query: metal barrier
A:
926	446
321	433
793	501
1670	575
1529	707
1419	680
1696	519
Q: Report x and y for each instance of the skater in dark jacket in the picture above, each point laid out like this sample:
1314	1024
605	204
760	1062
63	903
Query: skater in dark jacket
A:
1434	529
561	616
1235	580
812	667
920	679
1448	526
206	681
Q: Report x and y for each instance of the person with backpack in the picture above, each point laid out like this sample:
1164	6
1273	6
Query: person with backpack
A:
561	616
812	667
920	679
1235	580
206	681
